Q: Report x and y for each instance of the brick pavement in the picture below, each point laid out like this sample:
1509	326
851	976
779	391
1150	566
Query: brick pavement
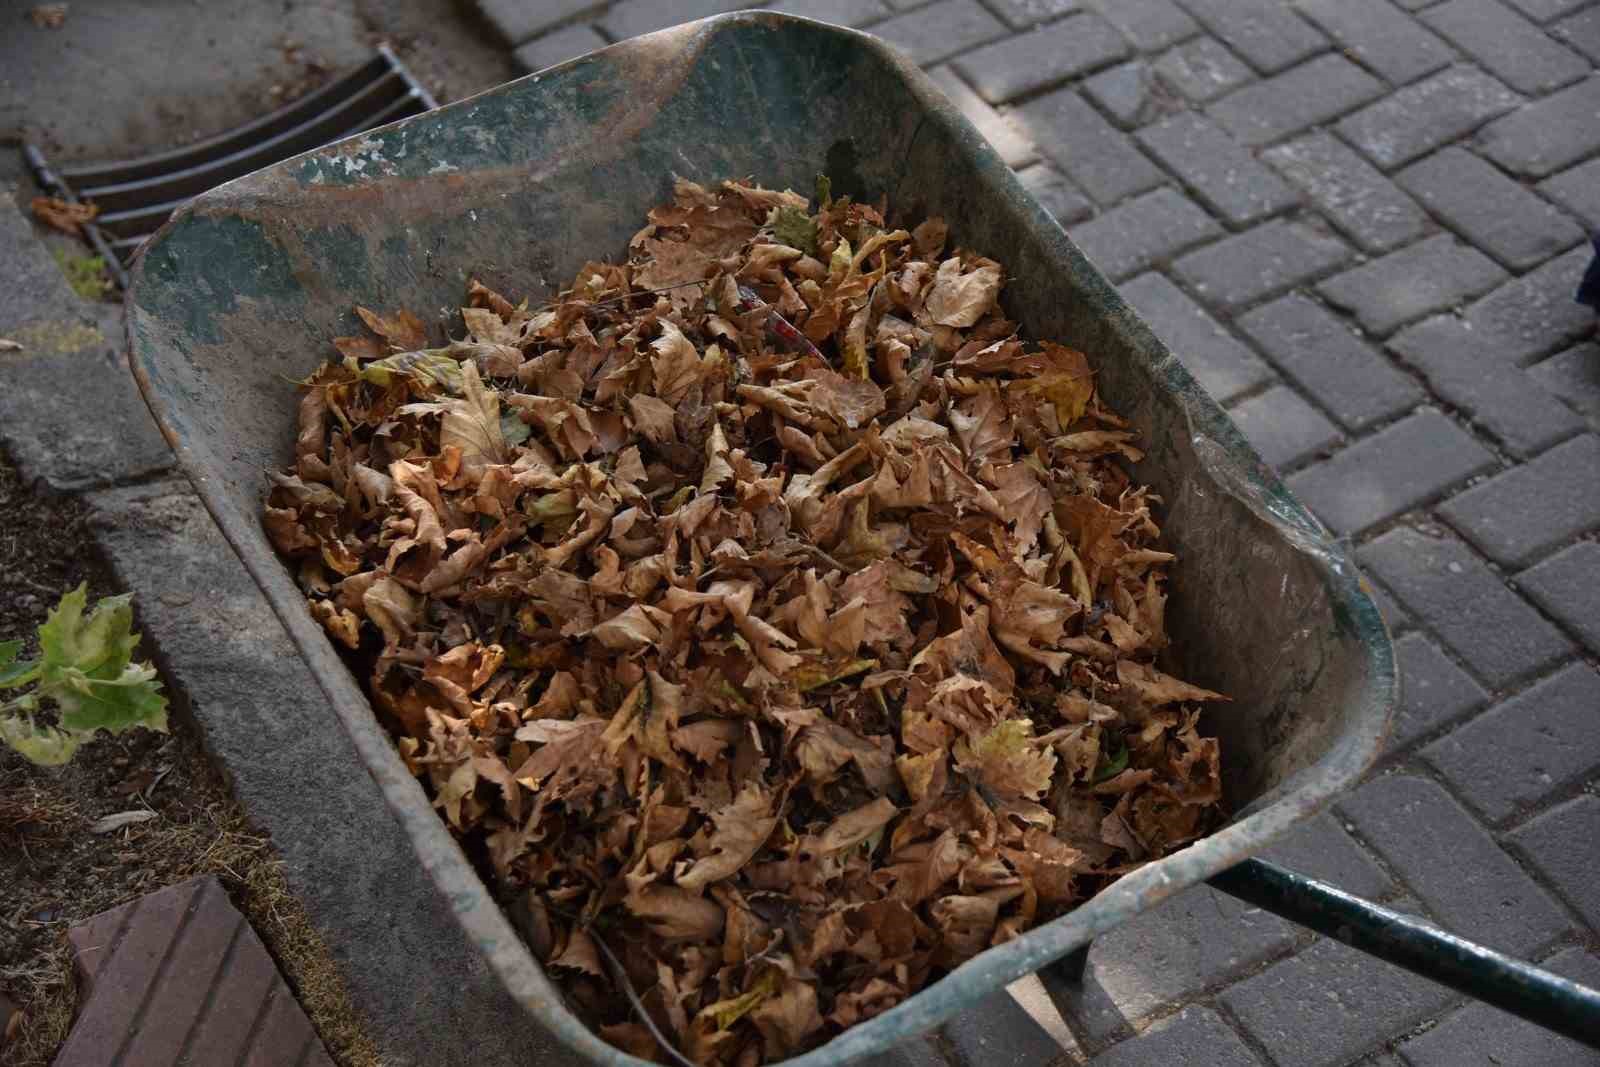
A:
1360	222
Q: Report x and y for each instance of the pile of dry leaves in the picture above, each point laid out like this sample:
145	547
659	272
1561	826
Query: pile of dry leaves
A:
774	623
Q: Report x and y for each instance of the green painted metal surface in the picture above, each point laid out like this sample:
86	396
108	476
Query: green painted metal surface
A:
519	186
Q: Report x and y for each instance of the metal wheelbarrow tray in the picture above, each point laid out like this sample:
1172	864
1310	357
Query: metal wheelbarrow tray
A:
243	290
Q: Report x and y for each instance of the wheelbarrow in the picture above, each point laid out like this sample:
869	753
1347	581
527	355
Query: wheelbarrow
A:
245	287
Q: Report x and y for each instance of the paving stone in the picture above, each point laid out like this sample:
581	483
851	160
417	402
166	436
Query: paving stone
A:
1548	135
1326	1005
1389	609
520	20
179	975
1396	469
1306	95
1381	36
1130	93
1508	45
1419	118
1574	377
1519	752
1581	31
1260	262
1429	276
1319	352
1220	170
1149	25
1564	844
1481	1034
1220	363
1433	690
630	18
838	12
1446	588
1536	313
1098	158
1202	69
1001	133
1020	14
1030	61
998	1030
1519	515
558	47
1565	587
1376	214
1453	865
940	30
1169	953
1544	10
1265	32
1034	999
1577	189
1283	427
1496	214
1145	230
1194	1035
1055	194
1321	849
915	1052
1468	371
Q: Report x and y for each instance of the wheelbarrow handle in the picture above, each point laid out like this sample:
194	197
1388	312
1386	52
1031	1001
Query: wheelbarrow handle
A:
1499	980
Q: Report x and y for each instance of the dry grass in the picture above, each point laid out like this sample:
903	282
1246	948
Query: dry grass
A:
47	992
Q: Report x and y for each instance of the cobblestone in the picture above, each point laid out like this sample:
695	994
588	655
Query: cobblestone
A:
1321	849
1544	10
1302	96
999	1031
1318	351
1142	231
1387	607
1429	276
519	20
1577	189
1464	369
1098	158
1221	171
1581	31
1421	117
1283	427
1021	14
1202	70
1260	263
629	18
939	30
1194	1035
558	47
1564	844
1519	752
1535	313
838	12
1496	214
1564	586
1446	588
1129	92
1221	364
1547	135
1433	690
1359	200
1030	61
1381	36
1396	469
1453	864
1149	25
1265	32
1573	377
1520	515
1055	194
1001	133
1508	45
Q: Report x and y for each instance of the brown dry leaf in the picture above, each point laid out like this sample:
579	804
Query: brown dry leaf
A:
61	215
48	16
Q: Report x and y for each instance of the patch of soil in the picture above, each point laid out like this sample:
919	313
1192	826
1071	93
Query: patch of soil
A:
56	872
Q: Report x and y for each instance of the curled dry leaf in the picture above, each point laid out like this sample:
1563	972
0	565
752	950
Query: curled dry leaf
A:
790	632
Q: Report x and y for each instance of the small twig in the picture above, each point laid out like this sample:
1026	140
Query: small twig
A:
620	976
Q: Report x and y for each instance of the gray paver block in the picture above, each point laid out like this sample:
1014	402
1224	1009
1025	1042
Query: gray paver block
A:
1201	70
1400	467
558	47
1265	32
1260	262
1001	133
1567	587
1142	231
1500	216
1130	93
630	18
1544	10
1283	427
1520	751
1055	194
1438	580
1305	95
1376	214
1390	609
1380	35
1508	45
1547	135
1578	188
1419	118
1149	25
1521	514
1468	371
1194	1035
1326	1005
1020	14
940	30
519	20
853	13
1220	170
1481	1034
998	1030
1536	313
1222	365
1100	159
1564	844
917	1052
1581	31
1051	53
1426	277
1170	952
1343	373
1433	690
1453	865
1573	376
1321	849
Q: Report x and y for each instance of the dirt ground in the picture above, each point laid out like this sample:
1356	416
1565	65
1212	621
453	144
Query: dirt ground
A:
55	872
